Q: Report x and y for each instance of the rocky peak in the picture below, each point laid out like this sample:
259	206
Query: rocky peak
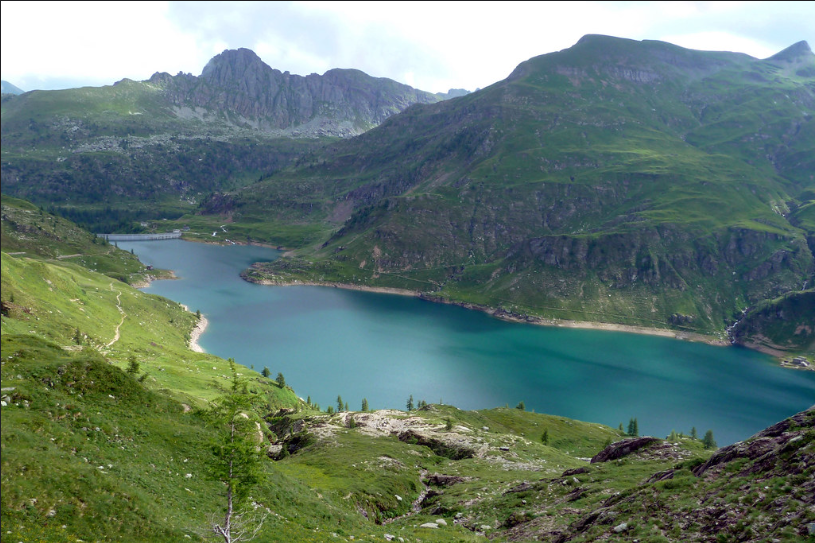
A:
234	64
793	52
240	87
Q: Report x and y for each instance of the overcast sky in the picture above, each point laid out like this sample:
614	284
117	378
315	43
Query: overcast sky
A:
431	46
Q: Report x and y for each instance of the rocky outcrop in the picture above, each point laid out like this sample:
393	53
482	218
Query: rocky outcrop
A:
237	87
770	448
622	448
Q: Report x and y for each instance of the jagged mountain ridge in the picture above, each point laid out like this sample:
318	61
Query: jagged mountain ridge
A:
623	181
338	103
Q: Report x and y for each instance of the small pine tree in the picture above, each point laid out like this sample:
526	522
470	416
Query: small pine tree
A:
673	437
708	441
633	427
132	365
266	372
409	404
521	405
339	403
364	404
621	428
693	433
330	410
281	381
198	315
422	404
545	437
352	423
345	407
308	400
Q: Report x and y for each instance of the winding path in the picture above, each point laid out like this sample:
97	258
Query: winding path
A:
119	307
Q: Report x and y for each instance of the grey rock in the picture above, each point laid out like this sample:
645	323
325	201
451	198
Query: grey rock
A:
620	528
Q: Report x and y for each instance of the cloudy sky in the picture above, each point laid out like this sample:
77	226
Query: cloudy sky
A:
431	46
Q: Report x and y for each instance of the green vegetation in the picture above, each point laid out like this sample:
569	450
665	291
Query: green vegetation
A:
110	440
29	230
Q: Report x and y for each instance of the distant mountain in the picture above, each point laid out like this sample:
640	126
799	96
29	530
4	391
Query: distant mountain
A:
452	93
178	137
8	88
239	88
618	181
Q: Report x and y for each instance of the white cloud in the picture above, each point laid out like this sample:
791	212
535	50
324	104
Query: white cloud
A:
722	41
438	45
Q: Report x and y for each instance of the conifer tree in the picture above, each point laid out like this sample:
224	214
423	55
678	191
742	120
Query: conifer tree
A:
545	437
633	427
281	381
521	405
132	365
708	441
364	404
266	372
409	404
339	403
693	433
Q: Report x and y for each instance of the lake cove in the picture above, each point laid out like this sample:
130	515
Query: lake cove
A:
382	347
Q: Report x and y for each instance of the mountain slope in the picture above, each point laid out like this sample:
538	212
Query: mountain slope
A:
173	139
621	181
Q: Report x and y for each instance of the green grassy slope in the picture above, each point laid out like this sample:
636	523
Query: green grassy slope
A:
28	230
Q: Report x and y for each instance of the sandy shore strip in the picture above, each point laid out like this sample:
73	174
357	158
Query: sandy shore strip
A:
199	329
196	334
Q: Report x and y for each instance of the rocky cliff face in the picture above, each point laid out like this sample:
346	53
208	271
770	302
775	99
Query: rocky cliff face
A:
237	86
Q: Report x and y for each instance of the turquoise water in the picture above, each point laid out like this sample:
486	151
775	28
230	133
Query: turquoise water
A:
384	348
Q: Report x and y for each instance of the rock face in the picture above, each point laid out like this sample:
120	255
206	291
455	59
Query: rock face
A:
622	448
237	86
769	449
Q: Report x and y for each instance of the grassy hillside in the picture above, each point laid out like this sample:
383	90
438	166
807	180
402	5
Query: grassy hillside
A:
94	449
28	230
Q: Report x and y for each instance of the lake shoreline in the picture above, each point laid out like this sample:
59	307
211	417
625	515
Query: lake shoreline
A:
195	334
504	315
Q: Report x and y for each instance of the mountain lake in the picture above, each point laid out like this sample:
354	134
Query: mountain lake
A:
329	341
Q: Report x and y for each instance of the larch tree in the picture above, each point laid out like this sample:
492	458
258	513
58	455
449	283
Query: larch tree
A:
236	462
